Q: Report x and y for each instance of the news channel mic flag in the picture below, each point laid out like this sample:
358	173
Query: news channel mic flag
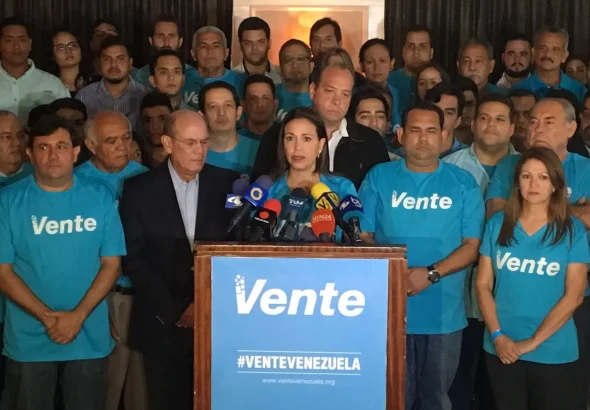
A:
298	333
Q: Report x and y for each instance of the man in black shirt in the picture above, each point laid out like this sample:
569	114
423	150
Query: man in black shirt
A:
353	148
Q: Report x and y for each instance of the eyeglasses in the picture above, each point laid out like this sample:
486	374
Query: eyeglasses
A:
72	46
191	142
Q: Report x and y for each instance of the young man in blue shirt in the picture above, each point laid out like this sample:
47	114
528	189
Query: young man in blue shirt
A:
209	49
108	138
62	242
416	52
436	210
221	108
550	52
260	106
552	123
295	63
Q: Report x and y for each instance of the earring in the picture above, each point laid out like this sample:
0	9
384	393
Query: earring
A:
319	153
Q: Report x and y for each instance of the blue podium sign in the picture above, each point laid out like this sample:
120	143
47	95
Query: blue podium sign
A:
292	334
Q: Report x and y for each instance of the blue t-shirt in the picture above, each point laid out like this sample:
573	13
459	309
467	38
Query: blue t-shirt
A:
530	278
405	85
115	184
190	88
395	117
194	82
430	213
240	159
540	89
25	171
288	101
575	167
490	169
54	241
281	191
457	146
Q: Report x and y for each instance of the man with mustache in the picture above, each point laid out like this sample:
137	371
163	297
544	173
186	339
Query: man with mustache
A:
550	52
585	121
516	59
117	91
476	62
524	101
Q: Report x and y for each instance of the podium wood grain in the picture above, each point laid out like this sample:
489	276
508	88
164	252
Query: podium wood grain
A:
396	318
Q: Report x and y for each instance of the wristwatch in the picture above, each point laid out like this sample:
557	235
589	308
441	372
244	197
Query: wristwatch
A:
433	275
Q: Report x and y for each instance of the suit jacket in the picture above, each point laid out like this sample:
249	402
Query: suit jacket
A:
355	154
159	259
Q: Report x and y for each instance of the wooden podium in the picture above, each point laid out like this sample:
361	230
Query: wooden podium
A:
396	315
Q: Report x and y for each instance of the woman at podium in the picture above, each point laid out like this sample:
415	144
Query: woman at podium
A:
532	277
303	169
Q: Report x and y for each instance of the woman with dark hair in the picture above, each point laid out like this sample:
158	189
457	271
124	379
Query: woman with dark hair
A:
531	279
429	75
576	68
67	61
303	161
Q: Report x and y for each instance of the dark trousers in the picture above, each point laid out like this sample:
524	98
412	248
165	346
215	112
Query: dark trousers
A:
32	385
431	364
531	386
582	379
169	381
462	390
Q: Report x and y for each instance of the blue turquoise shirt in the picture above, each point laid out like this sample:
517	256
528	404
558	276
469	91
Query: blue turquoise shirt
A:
540	89
25	170
430	213
194	82
245	132
288	101
54	241
457	146
575	167
281	191
240	158
406	87
530	278
115	184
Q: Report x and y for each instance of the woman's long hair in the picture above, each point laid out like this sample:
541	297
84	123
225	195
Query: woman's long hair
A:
85	66
559	221
322	162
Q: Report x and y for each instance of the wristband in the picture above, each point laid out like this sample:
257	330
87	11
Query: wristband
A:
496	334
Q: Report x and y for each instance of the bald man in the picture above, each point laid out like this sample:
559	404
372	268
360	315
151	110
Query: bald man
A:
164	212
108	137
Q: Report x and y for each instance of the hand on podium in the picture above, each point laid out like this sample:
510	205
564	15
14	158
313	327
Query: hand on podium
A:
187	320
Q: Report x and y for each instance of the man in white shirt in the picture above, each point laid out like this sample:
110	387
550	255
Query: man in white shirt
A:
254	37
23	86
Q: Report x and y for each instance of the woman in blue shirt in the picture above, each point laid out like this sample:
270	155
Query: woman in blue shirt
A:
303	161
532	277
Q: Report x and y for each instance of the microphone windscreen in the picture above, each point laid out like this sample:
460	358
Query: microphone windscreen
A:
264	181
273	205
299	192
323	222
240	186
319	189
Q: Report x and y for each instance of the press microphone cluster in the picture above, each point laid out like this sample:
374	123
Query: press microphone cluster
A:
253	199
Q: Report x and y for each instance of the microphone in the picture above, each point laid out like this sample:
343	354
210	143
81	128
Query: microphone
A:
254	198
351	209
296	202
264	221
329	200
238	189
323	224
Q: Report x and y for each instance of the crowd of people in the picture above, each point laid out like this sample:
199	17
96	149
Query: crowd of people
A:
109	174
